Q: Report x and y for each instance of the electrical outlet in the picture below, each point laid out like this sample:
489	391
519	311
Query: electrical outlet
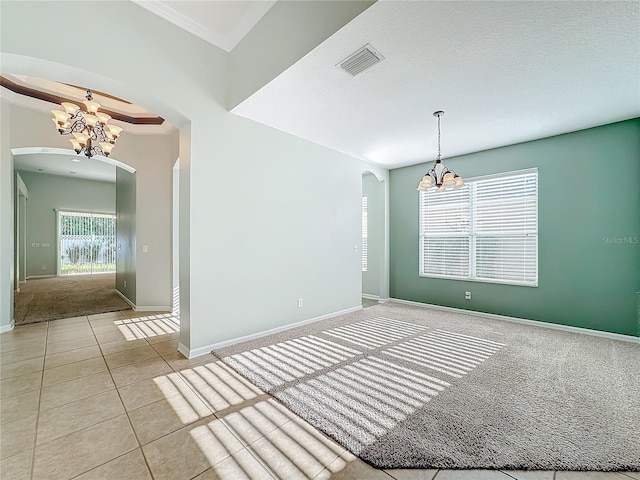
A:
125	284
467	295
35	245
43	267
355	249
299	303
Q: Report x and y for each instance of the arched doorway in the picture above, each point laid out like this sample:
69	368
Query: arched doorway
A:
375	268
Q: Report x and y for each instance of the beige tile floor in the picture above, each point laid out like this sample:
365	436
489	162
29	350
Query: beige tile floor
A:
109	397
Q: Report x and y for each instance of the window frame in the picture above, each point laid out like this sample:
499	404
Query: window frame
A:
472	235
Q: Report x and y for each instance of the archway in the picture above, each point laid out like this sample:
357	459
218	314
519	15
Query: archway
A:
375	266
33	66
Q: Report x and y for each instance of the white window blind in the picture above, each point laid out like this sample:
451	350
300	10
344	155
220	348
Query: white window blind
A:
365	233
484	231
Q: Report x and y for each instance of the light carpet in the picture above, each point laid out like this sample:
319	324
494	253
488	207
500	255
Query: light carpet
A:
407	387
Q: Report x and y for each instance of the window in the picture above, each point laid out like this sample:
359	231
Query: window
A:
485	231
365	233
86	242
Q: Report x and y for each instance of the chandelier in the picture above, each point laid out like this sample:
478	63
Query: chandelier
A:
90	128
439	177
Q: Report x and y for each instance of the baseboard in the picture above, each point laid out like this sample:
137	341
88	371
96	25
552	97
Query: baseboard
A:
196	352
8	328
185	351
375	297
133	305
535	323
31	277
144	308
152	308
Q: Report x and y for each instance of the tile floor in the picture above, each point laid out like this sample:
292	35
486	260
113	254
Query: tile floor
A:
109	397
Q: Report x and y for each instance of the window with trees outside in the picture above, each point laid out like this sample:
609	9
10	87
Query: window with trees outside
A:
86	243
485	231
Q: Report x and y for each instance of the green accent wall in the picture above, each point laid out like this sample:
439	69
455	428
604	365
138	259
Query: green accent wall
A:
588	238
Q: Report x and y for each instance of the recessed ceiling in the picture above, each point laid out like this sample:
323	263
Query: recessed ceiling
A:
40	94
45	95
503	72
221	23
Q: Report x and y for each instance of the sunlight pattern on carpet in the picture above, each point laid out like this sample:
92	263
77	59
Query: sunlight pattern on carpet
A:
363	400
449	353
284	362
375	332
357	397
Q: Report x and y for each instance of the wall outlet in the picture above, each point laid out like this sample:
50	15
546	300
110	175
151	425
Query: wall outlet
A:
45	245
299	303
467	295
125	284
145	248
35	245
355	249
43	267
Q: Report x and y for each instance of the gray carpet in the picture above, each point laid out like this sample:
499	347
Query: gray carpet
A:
407	387
43	299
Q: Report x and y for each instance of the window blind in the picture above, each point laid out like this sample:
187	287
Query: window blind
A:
484	231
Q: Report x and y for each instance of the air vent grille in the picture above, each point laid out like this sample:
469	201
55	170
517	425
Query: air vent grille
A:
361	60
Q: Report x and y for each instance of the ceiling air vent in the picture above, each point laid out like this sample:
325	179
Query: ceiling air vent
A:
361	60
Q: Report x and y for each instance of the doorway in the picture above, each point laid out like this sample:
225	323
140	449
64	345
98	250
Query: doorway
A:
86	243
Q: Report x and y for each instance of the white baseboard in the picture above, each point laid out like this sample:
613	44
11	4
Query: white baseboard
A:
8	328
535	323
152	308
30	277
185	351
375	297
196	352
144	308
133	305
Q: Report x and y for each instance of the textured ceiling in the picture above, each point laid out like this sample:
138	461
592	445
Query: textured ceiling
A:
503	72
221	23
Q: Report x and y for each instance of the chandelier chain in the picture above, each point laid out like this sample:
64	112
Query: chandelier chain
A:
439	156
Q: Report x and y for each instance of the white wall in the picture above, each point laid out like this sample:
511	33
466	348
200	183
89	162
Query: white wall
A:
6	223
271	217
153	157
49	192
